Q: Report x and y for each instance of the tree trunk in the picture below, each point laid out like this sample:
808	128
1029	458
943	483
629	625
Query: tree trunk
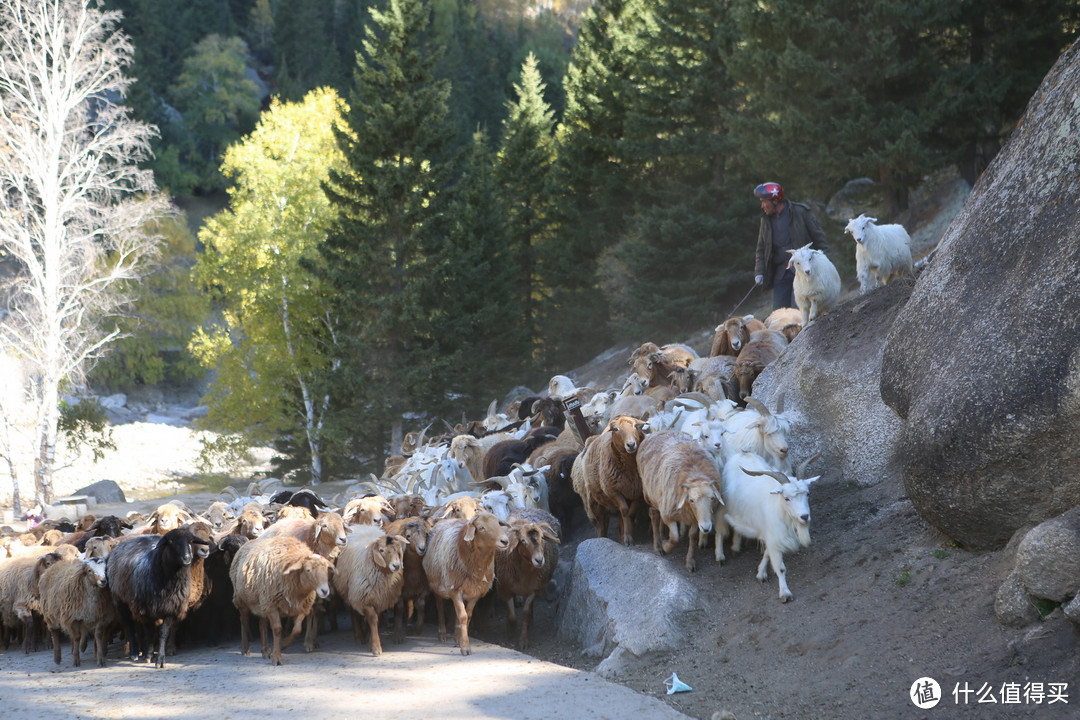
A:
16	500
46	457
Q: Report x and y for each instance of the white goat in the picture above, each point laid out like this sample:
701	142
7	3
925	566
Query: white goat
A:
882	252
817	283
756	430
763	504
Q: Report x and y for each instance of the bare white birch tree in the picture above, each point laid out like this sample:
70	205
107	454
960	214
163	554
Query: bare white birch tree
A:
74	205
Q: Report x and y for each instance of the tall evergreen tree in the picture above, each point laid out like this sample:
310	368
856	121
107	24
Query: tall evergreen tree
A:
378	255
596	190
836	89
480	323
525	160
689	238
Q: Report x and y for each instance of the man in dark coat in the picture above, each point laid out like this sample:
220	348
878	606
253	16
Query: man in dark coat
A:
785	225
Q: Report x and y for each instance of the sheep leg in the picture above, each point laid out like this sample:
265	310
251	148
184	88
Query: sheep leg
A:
373	628
78	641
441	612
673	537
311	639
297	626
654	519
245	646
526	620
29	639
421	603
356	620
400	618
626	527
721	526
99	645
691	562
56	645
275	626
163	638
462	613
263	630
511	617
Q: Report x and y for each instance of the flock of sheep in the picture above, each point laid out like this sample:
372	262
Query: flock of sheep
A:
479	508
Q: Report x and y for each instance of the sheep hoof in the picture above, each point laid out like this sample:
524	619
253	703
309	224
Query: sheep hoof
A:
691	566
786	597
466	650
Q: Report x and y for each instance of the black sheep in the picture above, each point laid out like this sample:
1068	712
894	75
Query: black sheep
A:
501	457
215	618
301	498
150	579
108	526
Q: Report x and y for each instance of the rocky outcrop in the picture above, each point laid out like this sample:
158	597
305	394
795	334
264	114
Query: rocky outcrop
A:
1046	567
620	604
983	363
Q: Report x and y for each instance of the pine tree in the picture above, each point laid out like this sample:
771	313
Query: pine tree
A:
837	90
480	318
525	161
378	255
690	236
596	191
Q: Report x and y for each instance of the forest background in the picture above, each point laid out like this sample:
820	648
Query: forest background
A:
398	210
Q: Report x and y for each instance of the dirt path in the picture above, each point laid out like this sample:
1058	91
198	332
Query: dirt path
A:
422	679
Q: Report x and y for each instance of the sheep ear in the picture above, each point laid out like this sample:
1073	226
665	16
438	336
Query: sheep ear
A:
470	531
685	487
514	541
813	479
870	219
380	558
297	566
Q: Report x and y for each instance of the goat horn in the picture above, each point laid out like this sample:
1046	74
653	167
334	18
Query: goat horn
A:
760	407
778	476
232	490
804	464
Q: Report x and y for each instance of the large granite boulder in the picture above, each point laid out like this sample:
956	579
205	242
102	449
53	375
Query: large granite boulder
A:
1046	567
621	603
103	491
982	364
829	379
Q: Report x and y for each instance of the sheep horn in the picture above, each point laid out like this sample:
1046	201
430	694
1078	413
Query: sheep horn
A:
230	489
778	476
804	464
760	407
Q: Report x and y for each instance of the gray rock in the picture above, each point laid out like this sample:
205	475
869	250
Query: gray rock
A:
113	402
861	195
1048	558
166	420
1071	609
829	380
983	363
621	603
103	491
1012	605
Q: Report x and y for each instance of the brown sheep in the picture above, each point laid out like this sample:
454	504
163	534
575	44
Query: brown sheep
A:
276	578
167	517
18	606
681	485
250	523
325	536
414	584
764	347
295	512
524	568
733	333
368	577
463	507
372	510
460	566
74	598
657	364
605	474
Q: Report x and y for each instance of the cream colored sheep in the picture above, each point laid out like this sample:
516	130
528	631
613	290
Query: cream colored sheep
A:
460	566
74	598
276	578
368	577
